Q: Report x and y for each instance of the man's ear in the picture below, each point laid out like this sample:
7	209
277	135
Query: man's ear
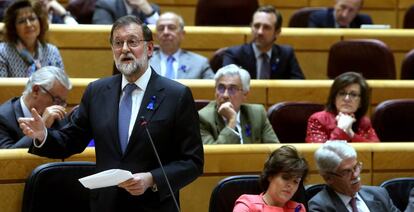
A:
328	178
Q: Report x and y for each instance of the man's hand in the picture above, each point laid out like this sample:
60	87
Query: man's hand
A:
53	113
227	111
33	127
138	184
142	5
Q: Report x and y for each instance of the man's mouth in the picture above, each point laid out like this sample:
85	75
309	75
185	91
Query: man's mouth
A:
357	180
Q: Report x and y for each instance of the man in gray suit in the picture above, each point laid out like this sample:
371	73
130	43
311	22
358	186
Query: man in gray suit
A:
170	60
339	167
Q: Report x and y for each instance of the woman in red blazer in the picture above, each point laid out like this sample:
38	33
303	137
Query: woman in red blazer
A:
344	117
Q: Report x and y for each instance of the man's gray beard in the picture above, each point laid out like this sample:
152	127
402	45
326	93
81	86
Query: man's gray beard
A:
131	68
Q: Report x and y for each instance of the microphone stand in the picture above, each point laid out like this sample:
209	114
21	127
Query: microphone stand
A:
144	123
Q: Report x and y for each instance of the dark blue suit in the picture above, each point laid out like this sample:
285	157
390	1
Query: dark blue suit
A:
325	19
283	62
172	122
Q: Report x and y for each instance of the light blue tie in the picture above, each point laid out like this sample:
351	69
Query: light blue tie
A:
125	115
170	69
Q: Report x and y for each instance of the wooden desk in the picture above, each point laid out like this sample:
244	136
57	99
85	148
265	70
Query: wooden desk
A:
220	161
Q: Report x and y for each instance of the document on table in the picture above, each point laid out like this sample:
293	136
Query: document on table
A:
106	178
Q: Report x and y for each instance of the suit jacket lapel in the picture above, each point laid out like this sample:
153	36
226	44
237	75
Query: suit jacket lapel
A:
183	66
153	98
369	201
18	112
251	58
112	97
155	61
336	201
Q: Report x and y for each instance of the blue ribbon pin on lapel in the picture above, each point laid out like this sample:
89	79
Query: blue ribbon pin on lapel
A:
151	104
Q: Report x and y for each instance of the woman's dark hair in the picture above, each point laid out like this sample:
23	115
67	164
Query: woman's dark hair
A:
285	159
341	82
10	16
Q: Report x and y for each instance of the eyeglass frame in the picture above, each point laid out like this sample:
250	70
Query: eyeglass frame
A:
31	19
55	99
130	43
231	90
352	95
349	172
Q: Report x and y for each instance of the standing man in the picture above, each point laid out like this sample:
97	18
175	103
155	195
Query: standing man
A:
345	14
338	165
170	60
262	57
108	11
228	120
46	91
117	112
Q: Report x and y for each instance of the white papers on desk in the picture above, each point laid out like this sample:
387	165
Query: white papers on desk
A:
106	178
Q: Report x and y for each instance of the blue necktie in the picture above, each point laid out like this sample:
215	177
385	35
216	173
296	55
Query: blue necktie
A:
170	69
125	115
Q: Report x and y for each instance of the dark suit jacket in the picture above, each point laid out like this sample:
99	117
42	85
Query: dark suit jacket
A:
172	122
11	136
108	11
325	19
376	198
283	62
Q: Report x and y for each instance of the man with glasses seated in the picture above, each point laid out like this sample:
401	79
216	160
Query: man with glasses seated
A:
227	120
46	90
338	165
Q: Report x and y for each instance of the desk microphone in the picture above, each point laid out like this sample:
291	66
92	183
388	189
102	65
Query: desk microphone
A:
144	123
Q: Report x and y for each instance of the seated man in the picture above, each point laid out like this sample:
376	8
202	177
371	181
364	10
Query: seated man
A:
262	57
171	61
46	90
107	11
343	15
227	120
339	167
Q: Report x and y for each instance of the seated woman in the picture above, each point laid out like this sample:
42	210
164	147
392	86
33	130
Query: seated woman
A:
344	117
280	179
25	49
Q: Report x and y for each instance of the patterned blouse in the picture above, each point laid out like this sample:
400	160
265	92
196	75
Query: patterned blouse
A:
322	126
12	63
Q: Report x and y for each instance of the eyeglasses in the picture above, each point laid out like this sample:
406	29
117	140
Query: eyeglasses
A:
29	19
351	95
231	90
55	99
131	43
347	173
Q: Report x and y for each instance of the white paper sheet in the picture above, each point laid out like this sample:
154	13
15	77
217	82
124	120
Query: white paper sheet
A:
106	178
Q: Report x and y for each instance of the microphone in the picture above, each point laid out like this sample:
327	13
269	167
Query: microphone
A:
144	123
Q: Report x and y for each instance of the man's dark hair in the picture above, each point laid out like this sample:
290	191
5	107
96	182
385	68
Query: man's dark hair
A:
131	19
271	9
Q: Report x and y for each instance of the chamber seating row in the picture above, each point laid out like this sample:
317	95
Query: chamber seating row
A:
220	161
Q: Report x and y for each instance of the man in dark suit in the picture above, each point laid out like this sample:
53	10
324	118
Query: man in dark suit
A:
345	14
262	58
108	11
338	165
46	91
163	106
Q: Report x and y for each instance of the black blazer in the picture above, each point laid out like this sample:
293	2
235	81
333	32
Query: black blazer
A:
284	64
11	136
324	19
174	126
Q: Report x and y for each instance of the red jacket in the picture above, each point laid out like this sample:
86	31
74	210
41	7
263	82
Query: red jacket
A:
322	126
